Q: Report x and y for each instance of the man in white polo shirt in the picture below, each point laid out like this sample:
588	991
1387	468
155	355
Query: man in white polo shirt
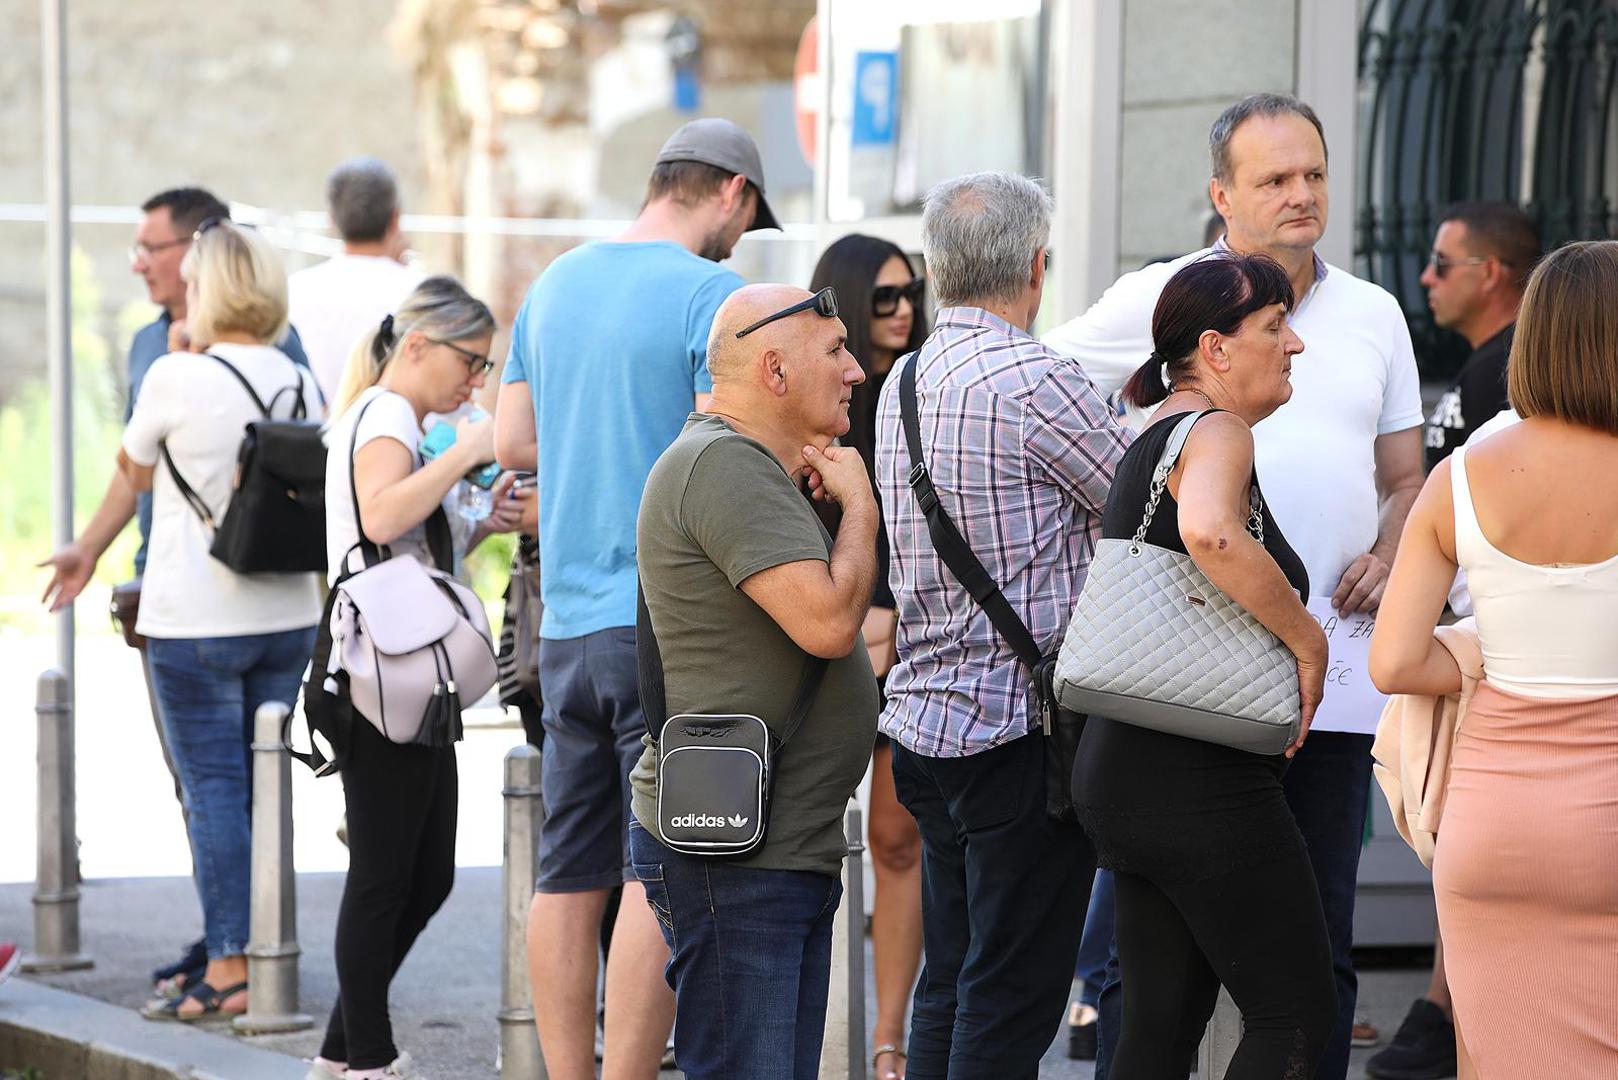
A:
1340	462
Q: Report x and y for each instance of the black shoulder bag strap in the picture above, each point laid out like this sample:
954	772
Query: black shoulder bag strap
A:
440	540
654	699
187	492
653	696
948	541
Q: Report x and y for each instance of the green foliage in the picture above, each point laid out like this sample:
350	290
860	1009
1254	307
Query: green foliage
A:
26	483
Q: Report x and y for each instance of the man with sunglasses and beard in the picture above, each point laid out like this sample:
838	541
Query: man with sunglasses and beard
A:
608	357
1480	262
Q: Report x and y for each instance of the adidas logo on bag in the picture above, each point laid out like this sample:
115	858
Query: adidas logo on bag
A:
707	821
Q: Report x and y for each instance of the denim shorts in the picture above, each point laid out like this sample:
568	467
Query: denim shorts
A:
593	730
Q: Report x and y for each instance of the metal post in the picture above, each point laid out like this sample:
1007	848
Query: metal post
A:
525	813
56	876
854	937
1219	1041
842	1050
272	948
58	302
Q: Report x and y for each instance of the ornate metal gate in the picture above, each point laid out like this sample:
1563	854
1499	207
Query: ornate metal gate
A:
1481	99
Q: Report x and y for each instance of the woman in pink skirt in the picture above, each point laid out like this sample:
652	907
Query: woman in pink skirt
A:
1526	868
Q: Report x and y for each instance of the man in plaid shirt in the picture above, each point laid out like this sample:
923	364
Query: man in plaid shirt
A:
1021	450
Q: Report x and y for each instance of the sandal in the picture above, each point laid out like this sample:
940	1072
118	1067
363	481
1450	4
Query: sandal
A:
172	979
210	998
882	1051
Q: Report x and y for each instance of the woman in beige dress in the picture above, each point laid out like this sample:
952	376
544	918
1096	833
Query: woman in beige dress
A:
1526	867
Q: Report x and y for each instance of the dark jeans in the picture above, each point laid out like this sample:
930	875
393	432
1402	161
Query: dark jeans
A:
749	961
208	690
1259	931
1002	886
401	804
1095	947
1326	786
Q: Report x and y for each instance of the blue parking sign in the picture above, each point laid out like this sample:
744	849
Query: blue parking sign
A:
876	98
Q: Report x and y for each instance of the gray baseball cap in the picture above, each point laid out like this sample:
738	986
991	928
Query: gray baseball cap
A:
724	145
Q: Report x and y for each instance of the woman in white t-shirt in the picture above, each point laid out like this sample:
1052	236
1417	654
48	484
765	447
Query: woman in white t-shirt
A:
428	358
219	643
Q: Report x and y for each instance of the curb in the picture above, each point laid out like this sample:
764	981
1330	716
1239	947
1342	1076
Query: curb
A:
69	1036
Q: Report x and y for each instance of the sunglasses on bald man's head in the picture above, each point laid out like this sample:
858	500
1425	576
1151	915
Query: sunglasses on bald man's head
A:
823	302
885	298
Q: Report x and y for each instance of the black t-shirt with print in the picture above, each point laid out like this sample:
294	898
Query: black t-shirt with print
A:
1476	395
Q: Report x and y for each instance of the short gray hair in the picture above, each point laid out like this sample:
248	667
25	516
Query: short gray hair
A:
979	234
363	196
1224	128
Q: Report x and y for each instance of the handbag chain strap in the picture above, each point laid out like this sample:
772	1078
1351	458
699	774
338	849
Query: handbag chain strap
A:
1160	483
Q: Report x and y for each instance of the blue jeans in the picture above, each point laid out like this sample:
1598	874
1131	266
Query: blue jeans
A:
208	690
750	961
1096	944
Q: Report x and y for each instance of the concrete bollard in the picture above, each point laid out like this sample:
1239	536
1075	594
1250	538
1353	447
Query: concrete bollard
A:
56	874
842	1053
525	813
272	948
1219	1041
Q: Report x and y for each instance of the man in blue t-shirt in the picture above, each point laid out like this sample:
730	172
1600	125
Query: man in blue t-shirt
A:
608	358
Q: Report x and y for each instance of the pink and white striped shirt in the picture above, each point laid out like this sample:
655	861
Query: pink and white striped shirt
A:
1022	450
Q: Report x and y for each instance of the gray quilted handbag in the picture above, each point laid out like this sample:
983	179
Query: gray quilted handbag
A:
1155	644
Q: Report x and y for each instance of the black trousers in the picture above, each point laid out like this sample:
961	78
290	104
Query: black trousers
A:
1258	931
401	864
1003	893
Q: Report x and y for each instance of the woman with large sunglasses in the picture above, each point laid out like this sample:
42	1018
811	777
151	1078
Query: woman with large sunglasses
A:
880	300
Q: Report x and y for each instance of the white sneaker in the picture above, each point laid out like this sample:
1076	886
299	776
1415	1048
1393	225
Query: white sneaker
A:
403	1068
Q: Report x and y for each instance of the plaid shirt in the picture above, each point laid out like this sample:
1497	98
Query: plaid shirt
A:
1022	451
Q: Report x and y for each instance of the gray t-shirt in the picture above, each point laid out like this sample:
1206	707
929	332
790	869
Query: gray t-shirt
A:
718	508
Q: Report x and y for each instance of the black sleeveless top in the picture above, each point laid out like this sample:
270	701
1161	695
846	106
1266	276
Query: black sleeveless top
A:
1165	806
1132	486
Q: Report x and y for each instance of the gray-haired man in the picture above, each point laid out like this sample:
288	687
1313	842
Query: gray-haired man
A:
1021	450
334	303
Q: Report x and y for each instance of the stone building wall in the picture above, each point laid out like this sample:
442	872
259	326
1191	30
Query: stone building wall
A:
254	101
1178	77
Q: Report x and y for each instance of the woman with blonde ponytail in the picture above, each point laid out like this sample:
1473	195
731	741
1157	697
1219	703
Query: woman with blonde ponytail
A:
429	357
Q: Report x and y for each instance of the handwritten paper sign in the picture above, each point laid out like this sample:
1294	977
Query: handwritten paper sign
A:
1351	702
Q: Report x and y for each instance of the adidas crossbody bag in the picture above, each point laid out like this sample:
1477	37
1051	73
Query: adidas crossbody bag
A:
714	772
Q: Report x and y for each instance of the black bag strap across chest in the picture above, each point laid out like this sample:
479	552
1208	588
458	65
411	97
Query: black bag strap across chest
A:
951	546
299	412
653	693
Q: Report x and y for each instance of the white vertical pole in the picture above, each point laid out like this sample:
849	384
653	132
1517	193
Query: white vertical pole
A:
1087	66
58	302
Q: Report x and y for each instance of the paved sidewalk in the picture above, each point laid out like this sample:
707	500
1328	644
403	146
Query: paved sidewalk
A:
447	994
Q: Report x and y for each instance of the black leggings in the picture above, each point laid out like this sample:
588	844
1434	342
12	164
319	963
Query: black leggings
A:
401	863
1258	931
